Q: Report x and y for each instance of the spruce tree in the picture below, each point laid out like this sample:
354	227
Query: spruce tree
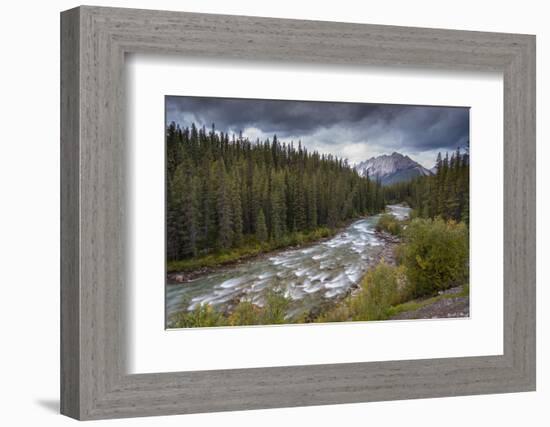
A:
224	211
237	210
183	213
261	228
223	189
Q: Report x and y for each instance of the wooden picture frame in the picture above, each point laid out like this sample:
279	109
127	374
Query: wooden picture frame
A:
94	41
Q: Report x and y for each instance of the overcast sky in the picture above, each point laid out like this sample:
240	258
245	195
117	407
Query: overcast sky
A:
350	130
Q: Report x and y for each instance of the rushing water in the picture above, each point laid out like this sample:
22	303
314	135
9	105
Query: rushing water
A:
307	275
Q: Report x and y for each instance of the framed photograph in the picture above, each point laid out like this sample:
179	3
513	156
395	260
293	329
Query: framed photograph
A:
262	213
261	231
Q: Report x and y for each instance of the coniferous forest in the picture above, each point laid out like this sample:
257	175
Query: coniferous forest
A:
225	191
446	194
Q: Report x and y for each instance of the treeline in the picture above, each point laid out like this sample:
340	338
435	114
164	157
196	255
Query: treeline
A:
225	191
445	194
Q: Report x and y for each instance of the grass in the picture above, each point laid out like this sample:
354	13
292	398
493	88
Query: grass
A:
384	293
375	301
250	249
411	306
272	312
417	304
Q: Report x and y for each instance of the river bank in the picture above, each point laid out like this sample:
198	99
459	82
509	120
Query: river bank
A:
310	276
179	276
307	276
350	276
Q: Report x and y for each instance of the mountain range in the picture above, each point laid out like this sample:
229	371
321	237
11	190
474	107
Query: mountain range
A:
393	168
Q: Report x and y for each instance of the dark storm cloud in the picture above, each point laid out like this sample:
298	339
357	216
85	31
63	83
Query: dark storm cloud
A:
283	117
349	130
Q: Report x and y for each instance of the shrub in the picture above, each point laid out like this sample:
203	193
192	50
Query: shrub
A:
435	255
275	308
202	316
244	314
389	223
381	288
414	213
339	313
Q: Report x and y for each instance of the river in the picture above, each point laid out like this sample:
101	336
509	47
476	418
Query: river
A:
307	276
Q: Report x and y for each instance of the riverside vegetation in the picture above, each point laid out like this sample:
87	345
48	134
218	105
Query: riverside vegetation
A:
232	199
433	257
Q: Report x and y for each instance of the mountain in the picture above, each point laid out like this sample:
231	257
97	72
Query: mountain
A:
391	169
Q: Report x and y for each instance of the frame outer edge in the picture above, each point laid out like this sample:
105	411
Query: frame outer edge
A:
532	184
527	129
70	390
88	391
520	215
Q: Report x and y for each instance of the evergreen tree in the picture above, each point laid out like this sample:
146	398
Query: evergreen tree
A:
237	210
182	214
445	194
311	198
223	191
300	222
223	205
261	228
277	206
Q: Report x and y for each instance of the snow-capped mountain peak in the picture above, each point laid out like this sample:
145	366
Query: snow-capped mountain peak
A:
392	168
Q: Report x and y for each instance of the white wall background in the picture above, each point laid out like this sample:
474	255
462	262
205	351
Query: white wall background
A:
29	214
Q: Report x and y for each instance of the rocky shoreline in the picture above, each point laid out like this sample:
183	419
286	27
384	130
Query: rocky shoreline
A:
449	304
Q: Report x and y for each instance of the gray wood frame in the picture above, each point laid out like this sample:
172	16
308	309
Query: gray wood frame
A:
94	41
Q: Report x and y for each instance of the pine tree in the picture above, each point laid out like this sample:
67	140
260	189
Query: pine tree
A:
446	194
207	207
261	228
300	222
278	209
224	212
312	204
183	213
223	190
332	212
237	210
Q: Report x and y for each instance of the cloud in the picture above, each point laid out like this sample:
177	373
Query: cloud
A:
355	131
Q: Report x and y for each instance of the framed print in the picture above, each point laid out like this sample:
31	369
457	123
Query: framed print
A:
263	213
264	232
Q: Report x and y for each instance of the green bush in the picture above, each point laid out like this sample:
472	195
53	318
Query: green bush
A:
389	223
275	308
245	314
340	313
435	255
203	316
381	288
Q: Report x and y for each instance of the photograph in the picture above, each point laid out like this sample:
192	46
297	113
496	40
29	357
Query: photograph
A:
279	213
293	212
